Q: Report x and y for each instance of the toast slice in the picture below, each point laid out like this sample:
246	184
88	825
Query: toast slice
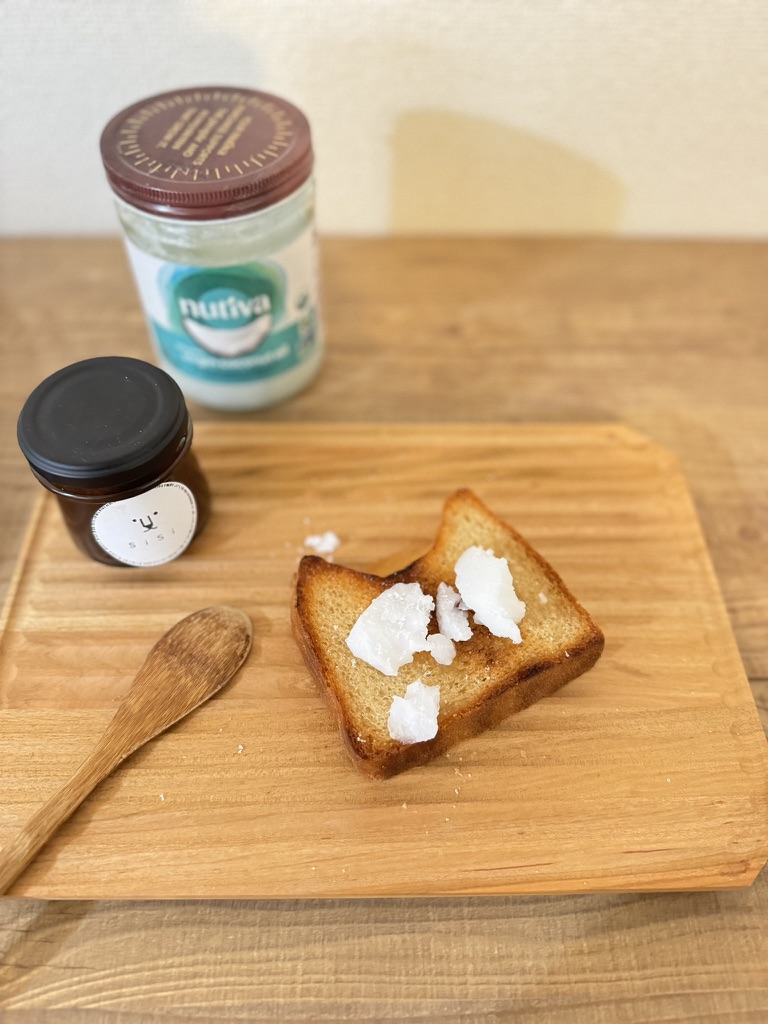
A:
490	678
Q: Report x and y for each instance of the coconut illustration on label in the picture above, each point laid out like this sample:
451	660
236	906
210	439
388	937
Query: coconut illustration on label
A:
228	312
225	341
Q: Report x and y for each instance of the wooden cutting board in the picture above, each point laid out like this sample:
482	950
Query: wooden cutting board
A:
649	772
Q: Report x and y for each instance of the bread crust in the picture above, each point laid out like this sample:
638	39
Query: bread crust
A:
512	690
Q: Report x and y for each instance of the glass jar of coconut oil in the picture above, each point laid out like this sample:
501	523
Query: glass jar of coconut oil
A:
215	194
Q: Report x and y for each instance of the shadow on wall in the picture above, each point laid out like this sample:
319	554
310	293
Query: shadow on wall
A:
456	174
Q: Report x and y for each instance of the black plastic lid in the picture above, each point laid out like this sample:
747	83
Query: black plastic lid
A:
106	422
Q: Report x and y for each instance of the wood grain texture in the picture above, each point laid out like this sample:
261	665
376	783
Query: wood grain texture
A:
649	772
669	337
186	666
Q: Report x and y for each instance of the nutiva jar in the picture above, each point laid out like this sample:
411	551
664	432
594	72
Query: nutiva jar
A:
215	194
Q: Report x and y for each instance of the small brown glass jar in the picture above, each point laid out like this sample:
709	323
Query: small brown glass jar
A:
111	437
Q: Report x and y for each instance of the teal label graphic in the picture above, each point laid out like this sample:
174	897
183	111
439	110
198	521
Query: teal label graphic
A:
228	324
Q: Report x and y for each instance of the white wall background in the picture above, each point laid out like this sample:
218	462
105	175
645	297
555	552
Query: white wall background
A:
626	117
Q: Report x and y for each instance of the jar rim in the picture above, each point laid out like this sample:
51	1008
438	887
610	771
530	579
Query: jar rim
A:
210	222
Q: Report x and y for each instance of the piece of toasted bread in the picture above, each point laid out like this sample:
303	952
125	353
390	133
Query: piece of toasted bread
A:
490	677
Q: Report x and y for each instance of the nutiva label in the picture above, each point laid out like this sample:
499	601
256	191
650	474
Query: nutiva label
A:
234	324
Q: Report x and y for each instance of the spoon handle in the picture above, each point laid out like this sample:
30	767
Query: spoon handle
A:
37	830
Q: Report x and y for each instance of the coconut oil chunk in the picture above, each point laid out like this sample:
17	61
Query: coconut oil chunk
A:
486	587
442	648
322	543
413	718
392	628
452	617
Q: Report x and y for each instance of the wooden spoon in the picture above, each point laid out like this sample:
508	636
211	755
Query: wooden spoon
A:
187	665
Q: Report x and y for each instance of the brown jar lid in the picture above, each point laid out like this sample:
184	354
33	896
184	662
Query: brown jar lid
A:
207	153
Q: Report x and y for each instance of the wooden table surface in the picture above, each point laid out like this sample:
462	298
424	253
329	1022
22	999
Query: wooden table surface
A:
668	337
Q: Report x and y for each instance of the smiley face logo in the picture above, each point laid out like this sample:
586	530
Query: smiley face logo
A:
149	524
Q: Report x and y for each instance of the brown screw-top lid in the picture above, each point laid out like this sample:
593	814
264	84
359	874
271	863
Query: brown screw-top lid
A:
207	153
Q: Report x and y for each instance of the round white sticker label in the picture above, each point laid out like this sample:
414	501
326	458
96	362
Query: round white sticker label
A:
150	528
